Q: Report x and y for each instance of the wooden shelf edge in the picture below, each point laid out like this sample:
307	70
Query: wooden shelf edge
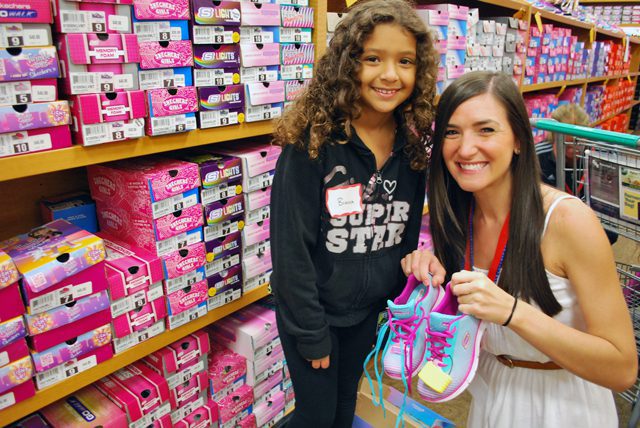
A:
77	156
79	381
509	4
552	85
629	107
561	18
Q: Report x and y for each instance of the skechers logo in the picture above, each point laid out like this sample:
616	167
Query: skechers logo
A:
81	409
466	340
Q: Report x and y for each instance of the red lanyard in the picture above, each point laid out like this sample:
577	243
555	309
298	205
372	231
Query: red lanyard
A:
501	248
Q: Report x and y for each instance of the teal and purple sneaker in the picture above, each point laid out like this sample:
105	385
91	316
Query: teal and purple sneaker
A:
452	355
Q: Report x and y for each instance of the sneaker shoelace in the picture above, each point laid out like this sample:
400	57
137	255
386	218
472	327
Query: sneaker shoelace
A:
438	344
404	331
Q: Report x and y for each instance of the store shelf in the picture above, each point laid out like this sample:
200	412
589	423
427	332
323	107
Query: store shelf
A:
77	156
62	389
616	34
561	19
604	119
509	4
552	85
606	1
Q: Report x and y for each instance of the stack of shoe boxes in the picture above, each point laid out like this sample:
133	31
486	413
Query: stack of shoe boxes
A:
156	206
166	65
33	117
64	284
16	370
135	288
99	56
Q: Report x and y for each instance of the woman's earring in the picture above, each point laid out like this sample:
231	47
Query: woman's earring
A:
516	151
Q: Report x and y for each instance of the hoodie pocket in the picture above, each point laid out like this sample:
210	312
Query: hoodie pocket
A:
343	286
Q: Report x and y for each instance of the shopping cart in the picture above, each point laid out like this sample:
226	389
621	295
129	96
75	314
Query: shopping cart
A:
603	169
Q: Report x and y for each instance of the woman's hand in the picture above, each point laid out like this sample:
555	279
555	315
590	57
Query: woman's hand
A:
321	363
481	297
421	263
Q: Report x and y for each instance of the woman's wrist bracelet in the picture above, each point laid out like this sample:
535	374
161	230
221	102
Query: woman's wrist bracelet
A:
513	309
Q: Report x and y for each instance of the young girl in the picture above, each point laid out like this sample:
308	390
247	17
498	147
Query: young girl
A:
347	200
558	333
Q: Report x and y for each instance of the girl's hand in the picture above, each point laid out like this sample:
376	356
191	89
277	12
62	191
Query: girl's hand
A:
421	263
322	363
481	297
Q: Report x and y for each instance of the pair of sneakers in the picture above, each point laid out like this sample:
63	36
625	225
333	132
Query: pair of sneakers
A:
430	338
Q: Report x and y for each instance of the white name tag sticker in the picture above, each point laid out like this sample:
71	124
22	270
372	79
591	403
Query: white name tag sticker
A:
344	200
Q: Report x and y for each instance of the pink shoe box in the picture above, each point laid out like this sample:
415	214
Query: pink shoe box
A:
256	265
52	252
259	55
224	289
229	97
235	403
296	72
73	367
294	88
88	403
23	117
165	77
220	265
101	133
225	13
171	124
270	411
172	101
202	417
176	53
257	199
245	336
12	305
225	367
89	17
220	247
297	53
175	321
52	319
27	11
264	14
216	76
161	10
296	35
108	107
123	343
259	371
223	229
180	354
185	392
190	296
189	407
224	209
215	34
138	390
30	91
296	16
257	248
32	421
229	389
267	73
8	271
257	215
78	79
147	180
139	318
250	284
137	299
257	159
89	281
184	260
254	233
163	422
28	63
71	349
215	170
13	352
17	394
67	334
248	421
132	226
102	49
129	268
175	284
265	389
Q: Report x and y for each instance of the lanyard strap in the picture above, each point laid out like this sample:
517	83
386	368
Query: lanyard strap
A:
501	249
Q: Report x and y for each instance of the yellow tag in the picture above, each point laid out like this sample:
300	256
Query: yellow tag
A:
592	34
629	77
434	377
210	257
240	225
624	42
561	90
212	291
539	21
238	189
351	2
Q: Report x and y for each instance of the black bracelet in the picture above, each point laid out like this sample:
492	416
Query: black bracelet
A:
513	309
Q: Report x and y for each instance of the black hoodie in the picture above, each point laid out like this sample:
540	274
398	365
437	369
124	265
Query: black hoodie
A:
336	271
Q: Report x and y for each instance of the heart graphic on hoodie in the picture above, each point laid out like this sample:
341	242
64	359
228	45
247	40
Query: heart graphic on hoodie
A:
389	186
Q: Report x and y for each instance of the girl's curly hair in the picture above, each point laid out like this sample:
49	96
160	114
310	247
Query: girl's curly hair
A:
325	111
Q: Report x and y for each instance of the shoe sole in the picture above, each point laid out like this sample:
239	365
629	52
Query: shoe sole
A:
470	375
